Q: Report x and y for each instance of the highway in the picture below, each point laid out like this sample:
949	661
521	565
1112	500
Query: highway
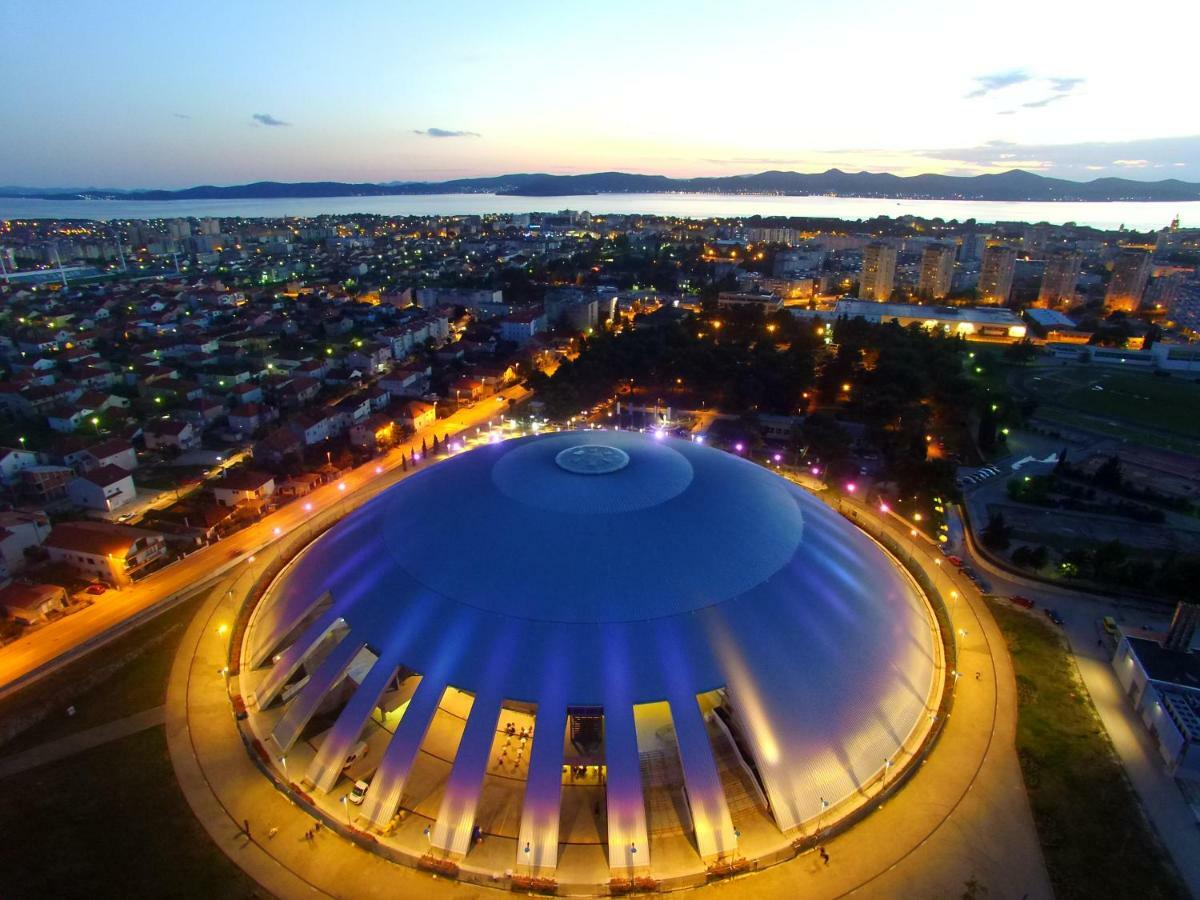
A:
34	654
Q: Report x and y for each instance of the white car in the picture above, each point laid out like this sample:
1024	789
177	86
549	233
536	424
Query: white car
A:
358	793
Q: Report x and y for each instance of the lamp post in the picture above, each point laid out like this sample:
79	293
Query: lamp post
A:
346	803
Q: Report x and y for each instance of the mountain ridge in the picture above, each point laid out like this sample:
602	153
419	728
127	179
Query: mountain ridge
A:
1012	185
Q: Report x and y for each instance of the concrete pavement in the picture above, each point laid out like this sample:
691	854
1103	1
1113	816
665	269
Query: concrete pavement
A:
52	751
40	652
962	815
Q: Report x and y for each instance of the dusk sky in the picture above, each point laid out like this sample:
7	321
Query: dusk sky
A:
176	94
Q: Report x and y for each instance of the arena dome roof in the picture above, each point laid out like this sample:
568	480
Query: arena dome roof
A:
604	570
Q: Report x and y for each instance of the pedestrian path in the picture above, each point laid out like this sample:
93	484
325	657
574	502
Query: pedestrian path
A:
53	751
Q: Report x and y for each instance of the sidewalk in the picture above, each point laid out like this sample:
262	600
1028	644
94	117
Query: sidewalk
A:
84	740
962	815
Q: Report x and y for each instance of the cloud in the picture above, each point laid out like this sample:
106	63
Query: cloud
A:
1045	101
181	115
268	119
1061	87
985	84
445	133
1065	85
1080	160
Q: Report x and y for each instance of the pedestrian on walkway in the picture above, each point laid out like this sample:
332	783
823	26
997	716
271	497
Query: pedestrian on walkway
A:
976	676
270	834
246	826
824	855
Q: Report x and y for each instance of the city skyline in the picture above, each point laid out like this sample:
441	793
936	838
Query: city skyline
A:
382	94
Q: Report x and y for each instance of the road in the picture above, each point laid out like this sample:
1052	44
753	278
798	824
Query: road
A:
38	652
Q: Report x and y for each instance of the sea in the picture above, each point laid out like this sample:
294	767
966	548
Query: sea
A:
1141	216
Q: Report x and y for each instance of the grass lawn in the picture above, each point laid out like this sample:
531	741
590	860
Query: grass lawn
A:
1137	399
132	674
1095	838
110	822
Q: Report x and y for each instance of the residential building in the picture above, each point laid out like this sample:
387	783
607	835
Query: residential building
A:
31	604
1130	274
20	532
104	488
12	461
116	554
374	432
241	486
878	275
170	434
417	414
113	452
1060	278
45	484
937	271
996	274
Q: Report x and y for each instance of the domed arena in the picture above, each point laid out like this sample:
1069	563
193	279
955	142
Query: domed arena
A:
589	656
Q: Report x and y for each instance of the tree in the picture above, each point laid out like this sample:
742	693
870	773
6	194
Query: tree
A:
996	533
1109	474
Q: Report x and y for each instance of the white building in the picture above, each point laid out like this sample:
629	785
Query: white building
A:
105	488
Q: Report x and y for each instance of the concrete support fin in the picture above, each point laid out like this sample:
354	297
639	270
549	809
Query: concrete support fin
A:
293	657
326	766
710	810
456	818
305	704
387	787
540	810
628	845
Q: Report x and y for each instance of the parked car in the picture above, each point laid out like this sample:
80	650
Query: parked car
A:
1022	601
96	588
1110	625
360	750
358	793
954	560
1053	616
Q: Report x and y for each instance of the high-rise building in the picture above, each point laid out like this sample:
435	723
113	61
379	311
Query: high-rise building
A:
937	270
1059	279
878	273
996	274
1130	273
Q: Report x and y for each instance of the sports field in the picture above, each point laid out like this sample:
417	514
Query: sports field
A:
1135	405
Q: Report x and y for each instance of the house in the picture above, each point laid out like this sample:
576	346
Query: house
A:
12	461
280	445
46	483
240	486
417	414
317	426
20	532
113	452
467	389
170	433
104	488
375	431
97	550
250	417
30	604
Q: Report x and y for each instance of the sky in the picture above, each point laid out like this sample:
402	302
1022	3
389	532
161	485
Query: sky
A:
174	94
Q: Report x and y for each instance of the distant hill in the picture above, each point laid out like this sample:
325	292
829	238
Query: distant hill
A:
1012	185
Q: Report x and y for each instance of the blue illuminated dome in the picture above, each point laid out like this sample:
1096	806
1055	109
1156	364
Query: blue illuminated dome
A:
605	570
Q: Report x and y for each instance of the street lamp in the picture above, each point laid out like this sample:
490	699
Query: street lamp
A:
346	803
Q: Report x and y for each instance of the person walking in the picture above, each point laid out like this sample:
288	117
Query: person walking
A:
824	855
246	826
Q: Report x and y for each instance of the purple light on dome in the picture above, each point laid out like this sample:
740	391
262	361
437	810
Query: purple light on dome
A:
778	457
659	434
852	487
739	447
816	470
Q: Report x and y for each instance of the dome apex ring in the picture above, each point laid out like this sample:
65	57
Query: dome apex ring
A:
592	459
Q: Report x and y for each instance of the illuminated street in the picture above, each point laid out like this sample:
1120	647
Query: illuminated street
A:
60	640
